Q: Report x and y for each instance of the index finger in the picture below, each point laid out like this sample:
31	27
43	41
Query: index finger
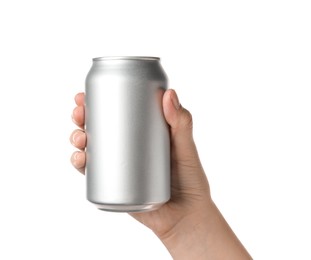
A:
79	99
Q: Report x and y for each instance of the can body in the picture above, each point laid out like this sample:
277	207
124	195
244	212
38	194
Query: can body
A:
128	146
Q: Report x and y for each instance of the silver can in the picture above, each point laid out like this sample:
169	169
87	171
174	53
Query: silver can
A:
128	145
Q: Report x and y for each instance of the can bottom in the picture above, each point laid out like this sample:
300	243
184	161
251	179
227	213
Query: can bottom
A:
128	208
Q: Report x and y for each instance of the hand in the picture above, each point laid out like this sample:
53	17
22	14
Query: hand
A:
189	225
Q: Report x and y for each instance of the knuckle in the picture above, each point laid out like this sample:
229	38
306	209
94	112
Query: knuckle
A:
187	120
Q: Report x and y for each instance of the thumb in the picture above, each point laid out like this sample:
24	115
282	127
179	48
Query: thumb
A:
180	122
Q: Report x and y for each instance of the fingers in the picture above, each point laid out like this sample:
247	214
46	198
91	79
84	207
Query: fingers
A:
79	99
78	160
78	116
78	112
78	139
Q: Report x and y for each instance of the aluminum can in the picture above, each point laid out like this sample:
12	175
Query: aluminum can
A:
128	143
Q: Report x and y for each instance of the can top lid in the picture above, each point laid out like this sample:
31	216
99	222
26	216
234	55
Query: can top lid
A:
126	58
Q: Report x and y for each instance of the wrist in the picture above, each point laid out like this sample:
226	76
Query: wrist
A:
187	239
203	234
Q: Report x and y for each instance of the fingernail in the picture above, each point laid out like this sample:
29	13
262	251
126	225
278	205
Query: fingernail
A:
75	137
73	120
74	159
175	100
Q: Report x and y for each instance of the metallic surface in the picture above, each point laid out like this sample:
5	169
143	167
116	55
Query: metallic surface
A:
128	147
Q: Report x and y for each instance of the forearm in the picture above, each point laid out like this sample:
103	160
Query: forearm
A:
204	236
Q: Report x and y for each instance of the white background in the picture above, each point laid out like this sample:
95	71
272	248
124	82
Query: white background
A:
241	67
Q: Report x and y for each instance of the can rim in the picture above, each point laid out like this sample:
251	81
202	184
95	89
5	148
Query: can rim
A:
126	58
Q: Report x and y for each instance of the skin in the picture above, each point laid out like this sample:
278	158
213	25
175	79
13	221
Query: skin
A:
189	225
